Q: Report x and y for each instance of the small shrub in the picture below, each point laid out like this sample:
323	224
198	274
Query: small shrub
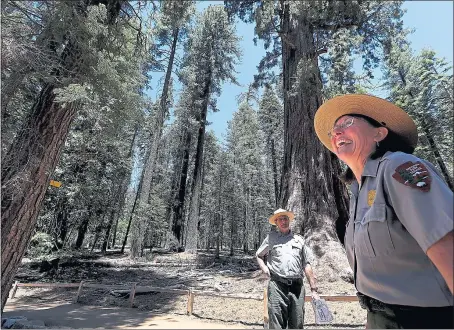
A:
41	244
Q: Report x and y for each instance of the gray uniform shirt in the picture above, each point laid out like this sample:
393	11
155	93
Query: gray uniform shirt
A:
393	221
287	256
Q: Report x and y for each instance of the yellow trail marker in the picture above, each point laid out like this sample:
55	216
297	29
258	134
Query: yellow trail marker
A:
55	183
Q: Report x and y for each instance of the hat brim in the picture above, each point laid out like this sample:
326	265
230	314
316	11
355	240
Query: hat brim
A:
273	218
384	112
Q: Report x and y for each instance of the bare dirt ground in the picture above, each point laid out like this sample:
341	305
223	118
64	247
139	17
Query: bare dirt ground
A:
238	275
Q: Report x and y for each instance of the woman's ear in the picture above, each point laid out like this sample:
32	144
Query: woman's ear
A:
382	132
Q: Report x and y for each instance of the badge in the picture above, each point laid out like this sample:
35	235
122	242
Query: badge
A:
371	197
414	175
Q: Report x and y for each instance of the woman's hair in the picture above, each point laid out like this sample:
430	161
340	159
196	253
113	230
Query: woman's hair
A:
392	142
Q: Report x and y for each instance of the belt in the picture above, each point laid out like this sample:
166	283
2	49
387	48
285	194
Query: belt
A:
286	281
371	304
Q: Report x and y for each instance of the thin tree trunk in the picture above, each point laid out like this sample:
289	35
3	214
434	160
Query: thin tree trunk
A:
82	229
125	239
222	232
62	222
276	183
96	239
105	241
432	144
152	154
436	152
219	214
124	189
114	238
232	228
246	223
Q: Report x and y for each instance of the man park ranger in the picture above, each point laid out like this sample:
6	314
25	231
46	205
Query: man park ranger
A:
286	262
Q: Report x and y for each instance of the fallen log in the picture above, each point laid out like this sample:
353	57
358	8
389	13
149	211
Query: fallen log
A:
142	290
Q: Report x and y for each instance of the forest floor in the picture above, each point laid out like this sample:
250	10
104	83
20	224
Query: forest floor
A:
237	275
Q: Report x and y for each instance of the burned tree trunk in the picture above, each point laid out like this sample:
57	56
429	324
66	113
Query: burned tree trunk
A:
192	233
178	219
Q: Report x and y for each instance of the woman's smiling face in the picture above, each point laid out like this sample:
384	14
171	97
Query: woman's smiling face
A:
353	139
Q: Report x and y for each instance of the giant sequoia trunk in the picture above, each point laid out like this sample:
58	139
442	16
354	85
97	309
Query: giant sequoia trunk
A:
31	159
309	185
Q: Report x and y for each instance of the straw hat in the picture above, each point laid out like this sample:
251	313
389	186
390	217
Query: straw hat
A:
384	112
280	212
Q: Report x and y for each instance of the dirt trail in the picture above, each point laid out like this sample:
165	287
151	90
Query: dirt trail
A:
82	316
238	275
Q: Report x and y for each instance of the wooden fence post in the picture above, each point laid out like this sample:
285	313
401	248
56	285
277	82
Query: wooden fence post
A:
15	286
76	300
132	294
190	302
265	308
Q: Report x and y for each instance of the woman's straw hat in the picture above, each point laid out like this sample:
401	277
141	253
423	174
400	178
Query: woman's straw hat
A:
280	212
384	112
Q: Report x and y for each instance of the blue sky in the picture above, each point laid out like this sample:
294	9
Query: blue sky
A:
432	21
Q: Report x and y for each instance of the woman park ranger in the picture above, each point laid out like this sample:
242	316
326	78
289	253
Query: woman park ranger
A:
399	237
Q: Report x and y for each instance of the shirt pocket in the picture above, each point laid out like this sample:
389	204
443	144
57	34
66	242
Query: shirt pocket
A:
277	250
373	237
296	249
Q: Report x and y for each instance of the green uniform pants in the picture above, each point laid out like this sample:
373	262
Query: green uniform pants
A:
411	318
286	305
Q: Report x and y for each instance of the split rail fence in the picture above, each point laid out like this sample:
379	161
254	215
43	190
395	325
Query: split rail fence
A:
191	293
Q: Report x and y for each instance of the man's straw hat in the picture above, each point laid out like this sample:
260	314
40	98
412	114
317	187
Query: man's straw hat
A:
384	112
280	212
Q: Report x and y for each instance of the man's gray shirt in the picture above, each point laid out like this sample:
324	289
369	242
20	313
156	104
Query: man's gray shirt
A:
394	219
287	255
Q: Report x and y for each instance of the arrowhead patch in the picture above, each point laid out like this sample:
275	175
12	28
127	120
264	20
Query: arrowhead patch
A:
414	175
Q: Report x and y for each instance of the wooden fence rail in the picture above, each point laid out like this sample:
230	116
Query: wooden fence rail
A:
191	293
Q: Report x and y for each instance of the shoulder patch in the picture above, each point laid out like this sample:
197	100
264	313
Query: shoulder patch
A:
414	175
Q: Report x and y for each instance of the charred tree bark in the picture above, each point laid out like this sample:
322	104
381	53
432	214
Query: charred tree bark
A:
192	232
82	230
308	187
62	222
178	220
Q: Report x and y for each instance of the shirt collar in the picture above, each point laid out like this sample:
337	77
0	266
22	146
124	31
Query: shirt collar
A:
281	234
371	167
